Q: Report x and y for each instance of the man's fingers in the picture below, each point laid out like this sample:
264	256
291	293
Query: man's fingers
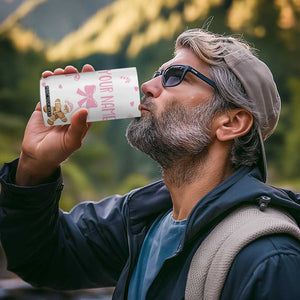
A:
88	68
47	74
58	71
38	106
87	129
77	130
70	70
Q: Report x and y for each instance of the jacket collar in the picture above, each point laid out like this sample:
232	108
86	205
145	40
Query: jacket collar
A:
146	204
243	186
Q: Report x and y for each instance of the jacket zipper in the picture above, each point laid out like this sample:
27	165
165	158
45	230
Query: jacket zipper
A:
129	241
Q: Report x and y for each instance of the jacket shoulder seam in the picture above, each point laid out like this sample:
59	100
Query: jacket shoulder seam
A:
264	261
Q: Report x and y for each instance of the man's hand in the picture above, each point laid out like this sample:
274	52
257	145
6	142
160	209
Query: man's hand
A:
45	148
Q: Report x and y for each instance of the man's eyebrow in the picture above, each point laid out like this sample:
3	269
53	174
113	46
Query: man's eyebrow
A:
164	66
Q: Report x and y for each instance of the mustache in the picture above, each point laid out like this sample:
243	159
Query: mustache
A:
146	101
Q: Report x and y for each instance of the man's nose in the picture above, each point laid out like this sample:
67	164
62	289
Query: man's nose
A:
152	88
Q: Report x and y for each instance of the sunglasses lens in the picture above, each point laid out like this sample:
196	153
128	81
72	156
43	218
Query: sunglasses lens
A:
173	75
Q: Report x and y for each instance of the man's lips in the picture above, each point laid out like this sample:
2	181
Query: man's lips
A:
142	107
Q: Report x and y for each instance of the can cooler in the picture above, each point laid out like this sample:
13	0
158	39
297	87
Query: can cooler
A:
107	95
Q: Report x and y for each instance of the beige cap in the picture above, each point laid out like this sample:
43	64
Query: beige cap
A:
261	89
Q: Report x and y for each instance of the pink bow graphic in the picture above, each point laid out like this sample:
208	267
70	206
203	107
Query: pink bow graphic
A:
88	93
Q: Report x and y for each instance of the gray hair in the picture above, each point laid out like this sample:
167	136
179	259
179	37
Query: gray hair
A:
212	48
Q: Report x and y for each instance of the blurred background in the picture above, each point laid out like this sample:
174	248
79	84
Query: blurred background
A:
38	35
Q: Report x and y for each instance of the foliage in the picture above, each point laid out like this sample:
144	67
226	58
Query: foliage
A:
132	182
291	161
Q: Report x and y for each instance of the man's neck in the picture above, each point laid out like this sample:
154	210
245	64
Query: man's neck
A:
199	177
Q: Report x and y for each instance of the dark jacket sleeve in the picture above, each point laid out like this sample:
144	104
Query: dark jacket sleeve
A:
268	268
47	247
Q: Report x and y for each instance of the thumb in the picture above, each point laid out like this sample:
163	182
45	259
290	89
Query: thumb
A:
77	130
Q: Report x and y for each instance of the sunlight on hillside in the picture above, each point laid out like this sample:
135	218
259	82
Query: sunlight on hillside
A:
22	38
25	39
195	9
287	17
160	29
106	31
102	33
242	12
24	9
141	24
108	28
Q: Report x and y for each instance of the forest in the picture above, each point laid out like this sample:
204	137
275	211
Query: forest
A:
144	38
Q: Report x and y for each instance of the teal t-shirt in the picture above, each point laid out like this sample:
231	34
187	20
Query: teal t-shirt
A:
161	242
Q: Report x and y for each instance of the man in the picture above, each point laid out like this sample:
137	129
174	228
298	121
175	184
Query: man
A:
205	115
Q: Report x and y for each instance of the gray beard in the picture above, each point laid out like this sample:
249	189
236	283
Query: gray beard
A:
177	139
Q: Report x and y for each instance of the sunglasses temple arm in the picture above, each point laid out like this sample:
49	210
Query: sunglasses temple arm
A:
204	78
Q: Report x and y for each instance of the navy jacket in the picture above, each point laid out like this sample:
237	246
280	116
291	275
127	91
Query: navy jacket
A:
98	244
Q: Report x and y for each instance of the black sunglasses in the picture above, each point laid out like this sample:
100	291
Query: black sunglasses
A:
174	75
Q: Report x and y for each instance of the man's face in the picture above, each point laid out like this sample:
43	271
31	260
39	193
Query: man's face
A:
191	92
175	122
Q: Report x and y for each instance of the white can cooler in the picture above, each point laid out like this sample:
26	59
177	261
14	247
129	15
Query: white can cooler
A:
107	95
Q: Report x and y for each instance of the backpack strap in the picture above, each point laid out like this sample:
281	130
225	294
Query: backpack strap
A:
212	260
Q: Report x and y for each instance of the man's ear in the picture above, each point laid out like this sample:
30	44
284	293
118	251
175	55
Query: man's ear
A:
233	124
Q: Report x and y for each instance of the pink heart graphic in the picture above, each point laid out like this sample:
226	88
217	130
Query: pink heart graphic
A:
136	88
132	103
126	79
43	84
60	86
